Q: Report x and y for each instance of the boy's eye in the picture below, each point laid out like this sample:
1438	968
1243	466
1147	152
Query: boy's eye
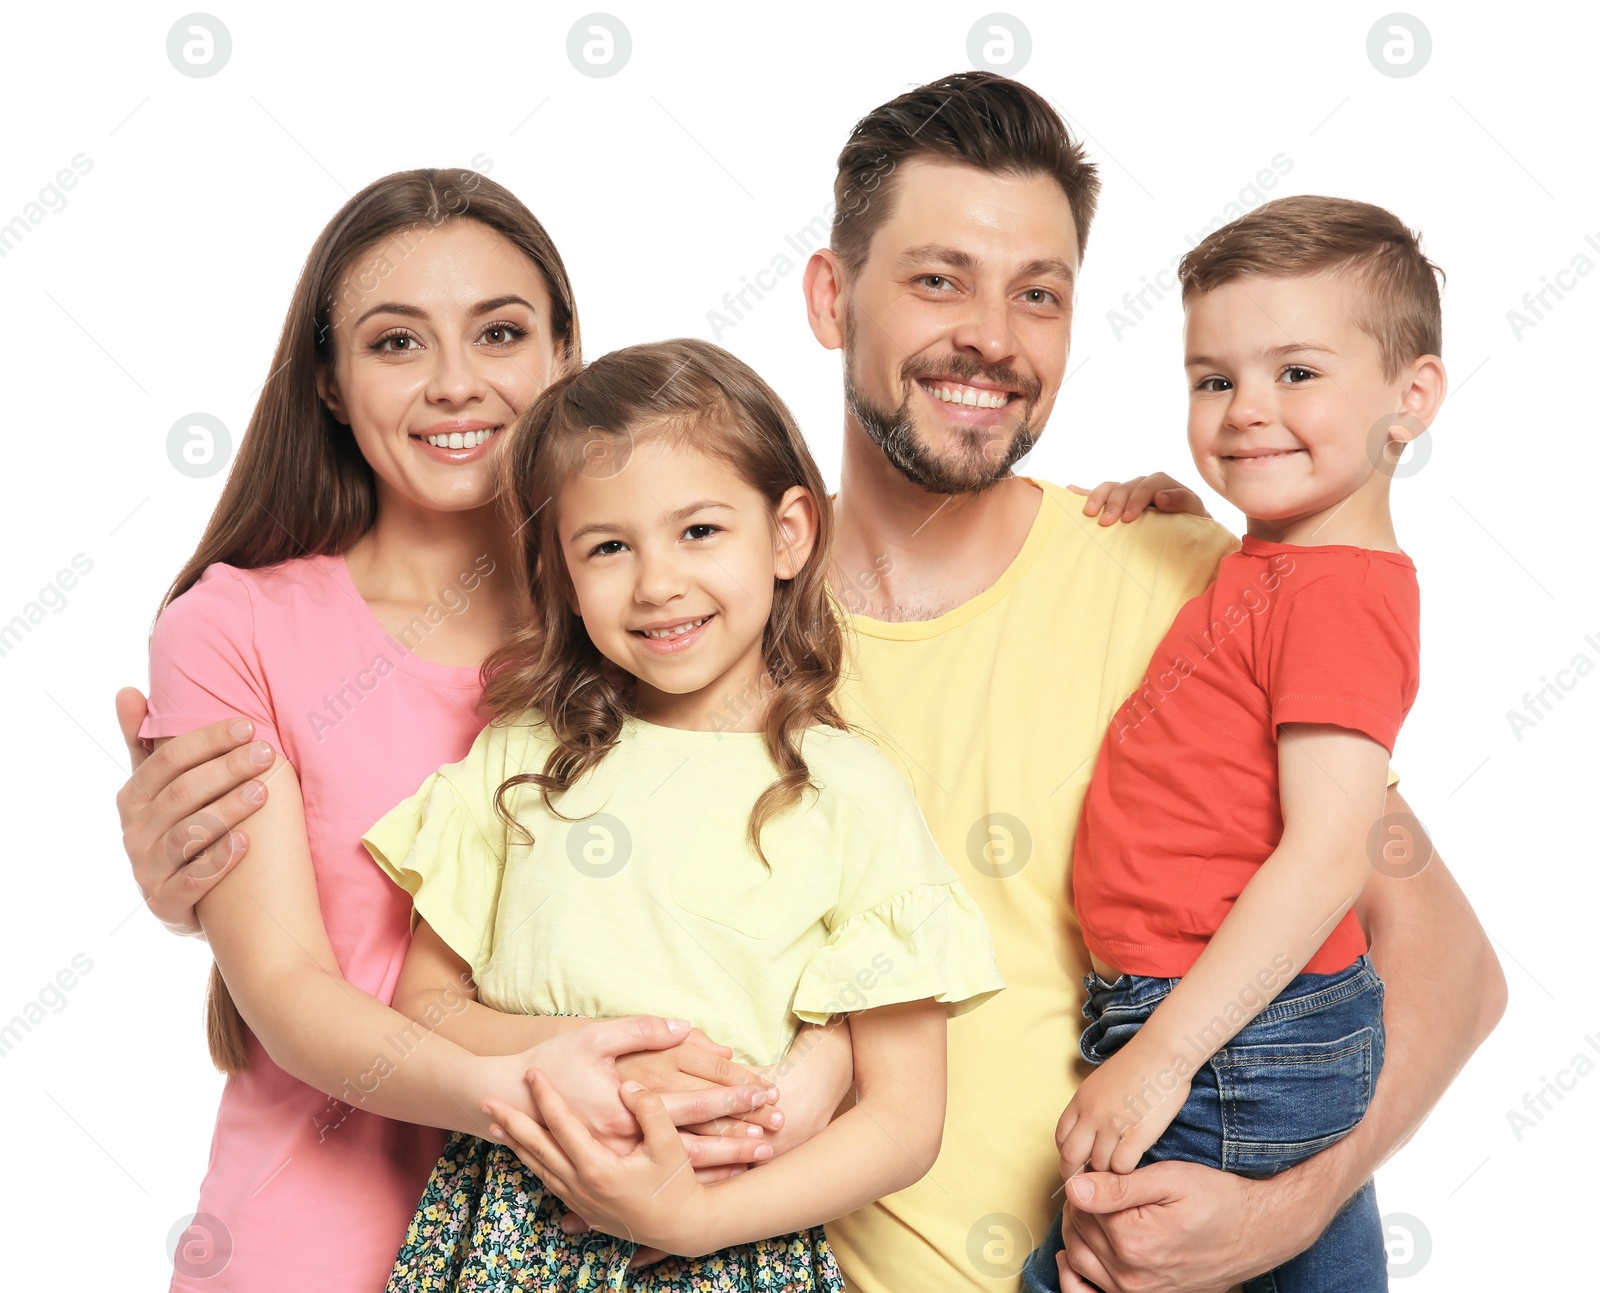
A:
1212	385
1295	375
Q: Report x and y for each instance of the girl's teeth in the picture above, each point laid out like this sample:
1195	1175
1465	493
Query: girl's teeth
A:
674	632
970	396
461	440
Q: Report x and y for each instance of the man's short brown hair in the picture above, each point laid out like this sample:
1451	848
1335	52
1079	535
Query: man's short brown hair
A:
976	118
1297	237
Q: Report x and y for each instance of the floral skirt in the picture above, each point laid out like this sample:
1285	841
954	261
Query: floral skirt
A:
487	1225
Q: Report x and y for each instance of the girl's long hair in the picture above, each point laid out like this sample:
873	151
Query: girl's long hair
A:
697	396
299	485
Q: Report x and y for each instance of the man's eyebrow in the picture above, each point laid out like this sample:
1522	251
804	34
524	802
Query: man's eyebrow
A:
682	514
1273	352
955	258
932	253
416	312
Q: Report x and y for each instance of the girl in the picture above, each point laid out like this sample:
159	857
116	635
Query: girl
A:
666	806
349	584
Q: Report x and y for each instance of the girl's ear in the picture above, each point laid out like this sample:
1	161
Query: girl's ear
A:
328	389
796	524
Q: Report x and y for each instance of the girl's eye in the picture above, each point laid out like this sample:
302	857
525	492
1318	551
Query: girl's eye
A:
1212	385
704	525
599	549
1296	375
399	334
510	334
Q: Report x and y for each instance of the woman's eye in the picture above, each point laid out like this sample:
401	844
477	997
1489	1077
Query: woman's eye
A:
382	343
508	333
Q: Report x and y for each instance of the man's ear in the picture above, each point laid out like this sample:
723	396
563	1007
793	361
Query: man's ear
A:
328	389
825	289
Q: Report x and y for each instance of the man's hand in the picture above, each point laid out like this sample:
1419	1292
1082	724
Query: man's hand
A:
1114	501
181	805
1178	1227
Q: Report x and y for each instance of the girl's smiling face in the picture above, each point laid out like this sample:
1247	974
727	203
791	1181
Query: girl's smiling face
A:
442	332
673	560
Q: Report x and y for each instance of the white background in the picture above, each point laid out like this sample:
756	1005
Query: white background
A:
160	287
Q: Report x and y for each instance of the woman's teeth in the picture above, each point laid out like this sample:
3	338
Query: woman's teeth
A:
971	396
461	439
674	632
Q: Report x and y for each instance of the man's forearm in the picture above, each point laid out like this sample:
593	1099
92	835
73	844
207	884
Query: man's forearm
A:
1444	993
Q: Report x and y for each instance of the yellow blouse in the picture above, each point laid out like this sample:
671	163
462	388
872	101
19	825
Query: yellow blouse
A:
650	901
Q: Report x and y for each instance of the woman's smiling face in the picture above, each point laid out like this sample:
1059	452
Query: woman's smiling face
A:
441	338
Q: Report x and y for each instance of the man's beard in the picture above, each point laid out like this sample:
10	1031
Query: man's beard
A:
978	463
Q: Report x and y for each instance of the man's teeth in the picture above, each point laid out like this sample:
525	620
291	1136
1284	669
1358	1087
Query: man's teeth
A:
971	396
674	632
461	440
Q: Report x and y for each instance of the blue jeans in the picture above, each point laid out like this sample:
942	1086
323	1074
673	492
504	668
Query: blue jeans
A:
1293	1081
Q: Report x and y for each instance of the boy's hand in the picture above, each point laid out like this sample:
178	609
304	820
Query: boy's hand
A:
1114	501
1119	1112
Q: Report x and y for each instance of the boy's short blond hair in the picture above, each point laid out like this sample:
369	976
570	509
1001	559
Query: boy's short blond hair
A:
1297	237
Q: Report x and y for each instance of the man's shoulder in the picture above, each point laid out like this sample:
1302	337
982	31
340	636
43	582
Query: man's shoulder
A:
1157	550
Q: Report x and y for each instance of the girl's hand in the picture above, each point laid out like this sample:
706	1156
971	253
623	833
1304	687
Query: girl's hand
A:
181	805
816	1074
1116	501
1119	1112
649	1196
584	1065
696	1064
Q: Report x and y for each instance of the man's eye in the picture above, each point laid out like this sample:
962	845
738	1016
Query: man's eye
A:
935	281
1039	296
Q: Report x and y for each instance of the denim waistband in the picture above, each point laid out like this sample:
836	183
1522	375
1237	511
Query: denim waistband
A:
1298	996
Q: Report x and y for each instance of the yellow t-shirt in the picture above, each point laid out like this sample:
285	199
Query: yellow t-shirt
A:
652	901
994	712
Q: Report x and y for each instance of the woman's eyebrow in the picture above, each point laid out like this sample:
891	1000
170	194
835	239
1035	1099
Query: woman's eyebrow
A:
417	312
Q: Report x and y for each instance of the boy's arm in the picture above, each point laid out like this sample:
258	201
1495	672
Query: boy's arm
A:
1184	1228
1331	787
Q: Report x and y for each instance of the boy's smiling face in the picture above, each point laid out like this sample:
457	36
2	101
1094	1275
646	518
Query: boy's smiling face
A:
1285	389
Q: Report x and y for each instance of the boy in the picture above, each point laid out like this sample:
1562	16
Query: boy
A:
1235	1017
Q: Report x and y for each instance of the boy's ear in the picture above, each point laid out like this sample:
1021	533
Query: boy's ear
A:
1423	393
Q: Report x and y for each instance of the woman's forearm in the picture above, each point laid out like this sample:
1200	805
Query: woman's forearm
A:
353	1047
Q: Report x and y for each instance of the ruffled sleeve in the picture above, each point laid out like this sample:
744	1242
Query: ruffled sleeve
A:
439	846
905	928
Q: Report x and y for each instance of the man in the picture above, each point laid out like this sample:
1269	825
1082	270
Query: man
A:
996	630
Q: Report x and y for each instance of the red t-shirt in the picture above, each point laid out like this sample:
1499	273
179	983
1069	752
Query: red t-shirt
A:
1183	806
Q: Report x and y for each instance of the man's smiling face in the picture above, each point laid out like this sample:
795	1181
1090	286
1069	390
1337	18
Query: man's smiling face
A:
957	326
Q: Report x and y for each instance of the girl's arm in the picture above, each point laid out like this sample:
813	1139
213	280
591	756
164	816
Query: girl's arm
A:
436	988
264	923
887	1140
1332	784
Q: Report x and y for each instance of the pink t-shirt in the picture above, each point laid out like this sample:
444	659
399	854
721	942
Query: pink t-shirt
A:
315	1194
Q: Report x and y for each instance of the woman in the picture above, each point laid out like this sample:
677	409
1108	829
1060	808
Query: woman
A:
347	588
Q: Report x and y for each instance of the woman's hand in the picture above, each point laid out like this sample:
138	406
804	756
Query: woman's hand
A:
1115	501
1119	1111
180	807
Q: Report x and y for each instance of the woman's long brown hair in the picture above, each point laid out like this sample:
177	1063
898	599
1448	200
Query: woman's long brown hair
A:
694	395
299	485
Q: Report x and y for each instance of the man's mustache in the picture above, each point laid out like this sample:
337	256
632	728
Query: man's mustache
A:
963	368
